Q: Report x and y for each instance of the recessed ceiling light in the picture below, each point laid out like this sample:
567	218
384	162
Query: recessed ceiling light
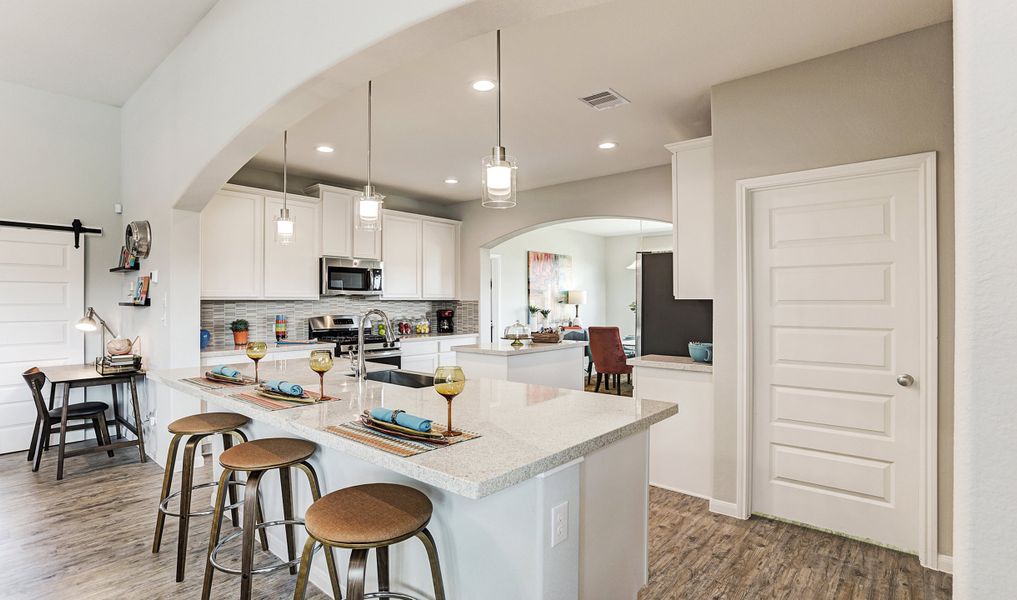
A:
451	181
325	149
607	145
484	85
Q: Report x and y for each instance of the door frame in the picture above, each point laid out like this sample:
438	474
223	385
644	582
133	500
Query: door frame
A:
924	164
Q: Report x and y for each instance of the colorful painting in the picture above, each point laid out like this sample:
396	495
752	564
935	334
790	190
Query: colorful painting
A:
549	279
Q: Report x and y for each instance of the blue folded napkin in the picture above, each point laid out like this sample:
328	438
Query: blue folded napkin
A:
402	419
226	371
284	387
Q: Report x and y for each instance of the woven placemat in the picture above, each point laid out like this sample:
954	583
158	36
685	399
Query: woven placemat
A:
271	404
209	384
393	444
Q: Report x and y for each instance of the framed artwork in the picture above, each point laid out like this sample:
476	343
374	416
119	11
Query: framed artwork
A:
549	277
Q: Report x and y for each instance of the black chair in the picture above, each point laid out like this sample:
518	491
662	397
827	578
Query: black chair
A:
580	336
47	421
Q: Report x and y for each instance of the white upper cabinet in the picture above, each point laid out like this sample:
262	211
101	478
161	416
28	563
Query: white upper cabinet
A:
366	243
336	221
291	270
692	210
440	259
401	249
232	239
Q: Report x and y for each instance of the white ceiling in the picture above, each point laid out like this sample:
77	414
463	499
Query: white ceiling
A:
100	50
663	55
615	227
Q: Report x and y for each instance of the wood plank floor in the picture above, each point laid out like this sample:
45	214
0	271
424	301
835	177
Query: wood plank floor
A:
696	554
89	537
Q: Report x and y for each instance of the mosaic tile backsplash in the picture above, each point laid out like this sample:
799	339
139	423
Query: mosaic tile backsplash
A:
216	315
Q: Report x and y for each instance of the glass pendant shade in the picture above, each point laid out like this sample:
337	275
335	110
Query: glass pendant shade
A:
284	227
498	180
369	203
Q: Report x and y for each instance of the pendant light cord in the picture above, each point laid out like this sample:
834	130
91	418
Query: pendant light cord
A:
369	93
498	69
286	143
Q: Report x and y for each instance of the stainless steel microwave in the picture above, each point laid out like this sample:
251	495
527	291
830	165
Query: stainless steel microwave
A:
350	277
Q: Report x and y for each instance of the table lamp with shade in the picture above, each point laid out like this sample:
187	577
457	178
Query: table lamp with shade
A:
576	297
92	321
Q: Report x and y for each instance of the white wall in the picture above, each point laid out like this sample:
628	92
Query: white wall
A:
621	288
986	420
588	262
61	161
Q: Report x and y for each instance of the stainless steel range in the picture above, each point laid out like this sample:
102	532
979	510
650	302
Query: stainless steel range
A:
342	331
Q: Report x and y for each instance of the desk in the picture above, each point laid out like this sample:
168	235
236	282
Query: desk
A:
85	376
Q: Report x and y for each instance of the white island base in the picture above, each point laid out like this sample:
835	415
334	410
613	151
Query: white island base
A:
557	365
543	451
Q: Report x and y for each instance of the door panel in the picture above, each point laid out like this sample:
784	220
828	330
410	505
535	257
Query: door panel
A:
836	306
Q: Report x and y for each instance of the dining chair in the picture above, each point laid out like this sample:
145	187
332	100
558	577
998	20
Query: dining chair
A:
608	356
579	335
47	421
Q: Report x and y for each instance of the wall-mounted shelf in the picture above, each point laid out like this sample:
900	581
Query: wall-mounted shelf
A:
136	267
147	302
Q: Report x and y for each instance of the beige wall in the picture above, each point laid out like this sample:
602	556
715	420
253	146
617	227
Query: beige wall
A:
645	193
888	98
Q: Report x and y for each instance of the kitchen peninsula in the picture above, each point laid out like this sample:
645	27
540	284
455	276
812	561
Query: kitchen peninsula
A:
540	449
559	365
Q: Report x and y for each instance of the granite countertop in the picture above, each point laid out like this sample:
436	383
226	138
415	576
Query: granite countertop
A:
525	429
675	363
223	349
423	337
505	348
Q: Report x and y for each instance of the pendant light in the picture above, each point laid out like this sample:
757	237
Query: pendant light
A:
284	222
369	201
498	175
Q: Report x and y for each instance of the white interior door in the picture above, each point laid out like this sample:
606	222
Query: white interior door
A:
837	299
42	295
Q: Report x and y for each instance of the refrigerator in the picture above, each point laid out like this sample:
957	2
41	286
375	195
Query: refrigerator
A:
665	325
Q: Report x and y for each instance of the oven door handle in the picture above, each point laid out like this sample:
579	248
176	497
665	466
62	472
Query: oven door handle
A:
382	353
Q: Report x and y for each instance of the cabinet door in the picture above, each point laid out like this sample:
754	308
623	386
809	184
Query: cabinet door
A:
291	270
424	363
439	259
231	239
401	273
366	244
692	208
336	224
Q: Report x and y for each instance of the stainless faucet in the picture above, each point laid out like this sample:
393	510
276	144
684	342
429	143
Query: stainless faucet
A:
360	368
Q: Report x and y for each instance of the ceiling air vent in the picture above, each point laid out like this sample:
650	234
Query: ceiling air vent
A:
604	100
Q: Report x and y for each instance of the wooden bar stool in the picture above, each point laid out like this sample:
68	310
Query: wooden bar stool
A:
256	458
363	517
195	428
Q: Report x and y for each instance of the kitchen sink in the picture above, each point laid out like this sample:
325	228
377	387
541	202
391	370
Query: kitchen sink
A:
403	378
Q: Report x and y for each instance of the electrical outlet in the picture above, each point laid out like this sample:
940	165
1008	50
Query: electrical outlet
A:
559	523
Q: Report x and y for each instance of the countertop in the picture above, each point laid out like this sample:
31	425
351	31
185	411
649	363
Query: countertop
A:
505	348
229	349
423	337
525	429
675	363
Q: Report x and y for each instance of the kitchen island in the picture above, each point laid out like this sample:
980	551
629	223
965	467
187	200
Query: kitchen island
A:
583	455
558	365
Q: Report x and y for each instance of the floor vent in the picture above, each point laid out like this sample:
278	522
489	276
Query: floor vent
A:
604	100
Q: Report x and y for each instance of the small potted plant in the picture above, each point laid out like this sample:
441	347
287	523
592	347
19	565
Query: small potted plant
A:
534	309
545	312
239	329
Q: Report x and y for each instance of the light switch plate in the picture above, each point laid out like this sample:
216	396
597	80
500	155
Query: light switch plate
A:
559	523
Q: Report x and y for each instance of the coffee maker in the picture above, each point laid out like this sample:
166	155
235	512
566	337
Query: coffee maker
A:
445	324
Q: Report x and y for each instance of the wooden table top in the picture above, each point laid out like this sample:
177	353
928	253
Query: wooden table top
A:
86	372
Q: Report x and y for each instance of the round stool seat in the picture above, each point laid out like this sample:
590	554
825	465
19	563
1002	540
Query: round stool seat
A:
268	453
368	514
216	422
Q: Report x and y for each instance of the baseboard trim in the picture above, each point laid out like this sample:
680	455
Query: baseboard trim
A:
944	563
680	491
728	509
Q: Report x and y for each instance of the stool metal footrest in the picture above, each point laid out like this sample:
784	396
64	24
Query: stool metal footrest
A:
213	557
164	505
394	595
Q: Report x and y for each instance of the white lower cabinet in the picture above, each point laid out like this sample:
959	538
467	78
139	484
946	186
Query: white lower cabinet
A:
427	354
426	363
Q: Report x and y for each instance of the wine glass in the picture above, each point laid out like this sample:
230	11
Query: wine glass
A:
256	351
449	382
321	363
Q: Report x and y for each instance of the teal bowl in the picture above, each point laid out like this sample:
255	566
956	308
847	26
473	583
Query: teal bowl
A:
701	351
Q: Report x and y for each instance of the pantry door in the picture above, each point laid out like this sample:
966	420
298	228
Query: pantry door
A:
842	348
42	295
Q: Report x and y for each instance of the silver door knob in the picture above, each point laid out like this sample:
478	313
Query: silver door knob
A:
905	380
